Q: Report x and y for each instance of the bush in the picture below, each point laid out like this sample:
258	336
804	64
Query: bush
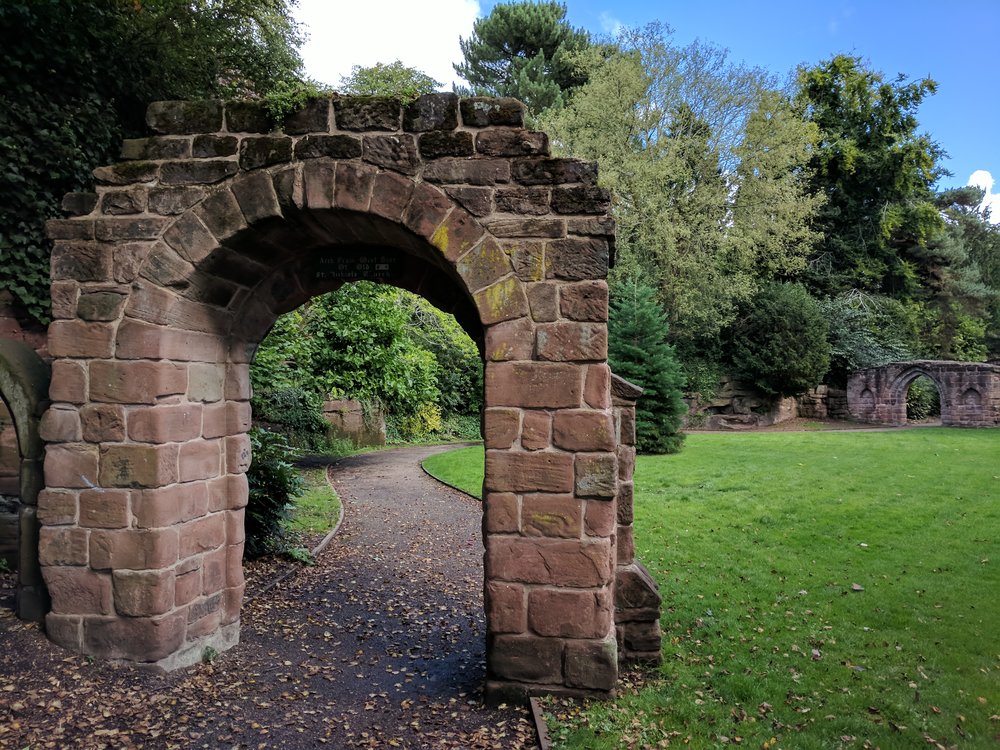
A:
780	342
274	484
638	351
922	400
294	412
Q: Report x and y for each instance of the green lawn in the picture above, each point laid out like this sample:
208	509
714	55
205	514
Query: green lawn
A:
316	510
821	590
462	468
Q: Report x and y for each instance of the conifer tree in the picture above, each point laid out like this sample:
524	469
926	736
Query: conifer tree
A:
638	351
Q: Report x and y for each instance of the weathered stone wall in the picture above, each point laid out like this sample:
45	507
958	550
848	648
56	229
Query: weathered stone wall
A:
740	405
823	402
166	278
969	391
348	419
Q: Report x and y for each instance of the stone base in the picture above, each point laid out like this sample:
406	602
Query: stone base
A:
202	649
497	692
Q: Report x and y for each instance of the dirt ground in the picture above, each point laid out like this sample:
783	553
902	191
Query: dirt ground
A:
380	644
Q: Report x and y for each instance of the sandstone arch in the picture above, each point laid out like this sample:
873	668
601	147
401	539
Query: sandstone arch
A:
166	279
24	385
969	391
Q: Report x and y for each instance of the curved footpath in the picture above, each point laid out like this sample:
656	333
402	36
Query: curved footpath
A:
381	644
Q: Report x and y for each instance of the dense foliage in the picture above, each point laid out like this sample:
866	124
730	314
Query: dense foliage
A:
392	79
638	351
274	484
77	76
780	341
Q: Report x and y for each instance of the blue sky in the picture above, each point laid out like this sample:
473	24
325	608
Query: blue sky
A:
957	44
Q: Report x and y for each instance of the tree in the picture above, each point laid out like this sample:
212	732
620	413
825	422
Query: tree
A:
78	75
395	80
780	341
876	172
638	351
525	50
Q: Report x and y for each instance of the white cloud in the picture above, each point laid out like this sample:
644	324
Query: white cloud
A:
610	24
984	181
423	35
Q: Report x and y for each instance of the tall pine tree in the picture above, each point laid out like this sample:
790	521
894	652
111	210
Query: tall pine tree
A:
638	351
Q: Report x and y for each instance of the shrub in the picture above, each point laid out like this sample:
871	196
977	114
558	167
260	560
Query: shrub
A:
922	400
638	351
780	342
294	412
274	484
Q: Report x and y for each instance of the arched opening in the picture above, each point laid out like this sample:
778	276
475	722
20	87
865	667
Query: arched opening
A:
24	383
923	401
156	367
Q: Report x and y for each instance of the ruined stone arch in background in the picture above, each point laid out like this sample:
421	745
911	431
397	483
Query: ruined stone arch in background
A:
969	392
168	276
24	386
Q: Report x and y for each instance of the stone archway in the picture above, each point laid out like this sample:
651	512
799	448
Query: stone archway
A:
169	275
24	385
969	391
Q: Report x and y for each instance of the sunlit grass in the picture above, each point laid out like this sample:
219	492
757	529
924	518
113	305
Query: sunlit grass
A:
820	590
317	509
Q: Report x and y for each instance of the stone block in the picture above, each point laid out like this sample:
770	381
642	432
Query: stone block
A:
431	112
596	475
500	513
264	151
504	300
635	588
182	117
136	466
522	200
80	261
457	235
71	465
583	430
510	340
584	301
599	518
201	459
127	173
556	516
256	197
397	152
221	214
100	306
626	545
626	462
481	112
591	665
500	427
362	113
597	387
427	209
138	340
246	116
528	259
483	265
60	425
237	449
313	116
202	535
459	171
136	382
525	658
62	546
132	549
570	614
440	143
526	226
581	199
512	142
510	471
543	300
141	593
65	295
103	423
354	184
166	506
578	258
478	201
123	202
531	171
78	338
213	571
65	631
79	591
78	203
228	492
569	341
214	146
624	501
391	194
536	433
104	509
156	148
69	382
339	146
187	585
164	423
57	508
201	172
534	385
506	607
139	639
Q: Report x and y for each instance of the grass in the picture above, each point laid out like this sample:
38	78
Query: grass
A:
317	509
760	543
462	469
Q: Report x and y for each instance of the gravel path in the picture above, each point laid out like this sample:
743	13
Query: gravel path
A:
380	644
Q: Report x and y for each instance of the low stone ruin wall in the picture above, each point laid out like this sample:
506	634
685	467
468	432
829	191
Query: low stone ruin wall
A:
739	405
348	420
